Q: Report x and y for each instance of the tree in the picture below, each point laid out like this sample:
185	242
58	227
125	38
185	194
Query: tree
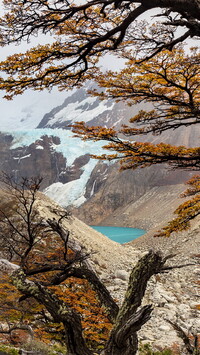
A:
41	252
170	83
42	261
187	211
83	33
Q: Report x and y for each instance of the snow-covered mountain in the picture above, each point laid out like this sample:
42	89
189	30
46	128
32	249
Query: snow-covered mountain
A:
81	106
52	151
71	177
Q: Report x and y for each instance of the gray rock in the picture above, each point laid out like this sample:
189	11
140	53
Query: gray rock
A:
122	274
164	328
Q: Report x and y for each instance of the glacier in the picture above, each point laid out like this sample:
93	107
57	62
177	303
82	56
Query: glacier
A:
70	193
27	128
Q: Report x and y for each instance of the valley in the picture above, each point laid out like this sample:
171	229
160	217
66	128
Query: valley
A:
99	177
98	193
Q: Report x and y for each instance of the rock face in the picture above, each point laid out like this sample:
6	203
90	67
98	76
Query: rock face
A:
39	159
138	198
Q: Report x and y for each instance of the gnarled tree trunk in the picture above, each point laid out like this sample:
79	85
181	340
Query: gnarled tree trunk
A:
126	321
123	338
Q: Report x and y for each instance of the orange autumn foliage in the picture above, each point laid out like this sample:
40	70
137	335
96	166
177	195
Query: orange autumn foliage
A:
174	94
77	293
187	211
40	247
82	33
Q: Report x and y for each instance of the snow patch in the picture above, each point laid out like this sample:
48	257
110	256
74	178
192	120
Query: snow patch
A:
26	111
92	190
78	111
20	158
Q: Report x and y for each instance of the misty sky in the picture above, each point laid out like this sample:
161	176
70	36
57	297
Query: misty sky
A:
32	105
28	109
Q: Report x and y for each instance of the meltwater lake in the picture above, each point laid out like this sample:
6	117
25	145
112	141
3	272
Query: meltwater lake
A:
120	234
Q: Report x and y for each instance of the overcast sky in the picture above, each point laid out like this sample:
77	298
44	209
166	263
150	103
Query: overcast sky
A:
28	109
32	105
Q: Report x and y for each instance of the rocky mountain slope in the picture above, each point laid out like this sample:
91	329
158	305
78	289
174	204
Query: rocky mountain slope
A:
133	198
174	294
99	192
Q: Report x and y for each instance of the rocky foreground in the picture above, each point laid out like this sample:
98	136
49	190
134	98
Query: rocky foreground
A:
174	295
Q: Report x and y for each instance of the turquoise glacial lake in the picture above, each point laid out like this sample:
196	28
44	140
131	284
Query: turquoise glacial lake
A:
120	234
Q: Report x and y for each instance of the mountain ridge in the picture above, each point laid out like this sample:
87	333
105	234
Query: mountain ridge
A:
72	178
